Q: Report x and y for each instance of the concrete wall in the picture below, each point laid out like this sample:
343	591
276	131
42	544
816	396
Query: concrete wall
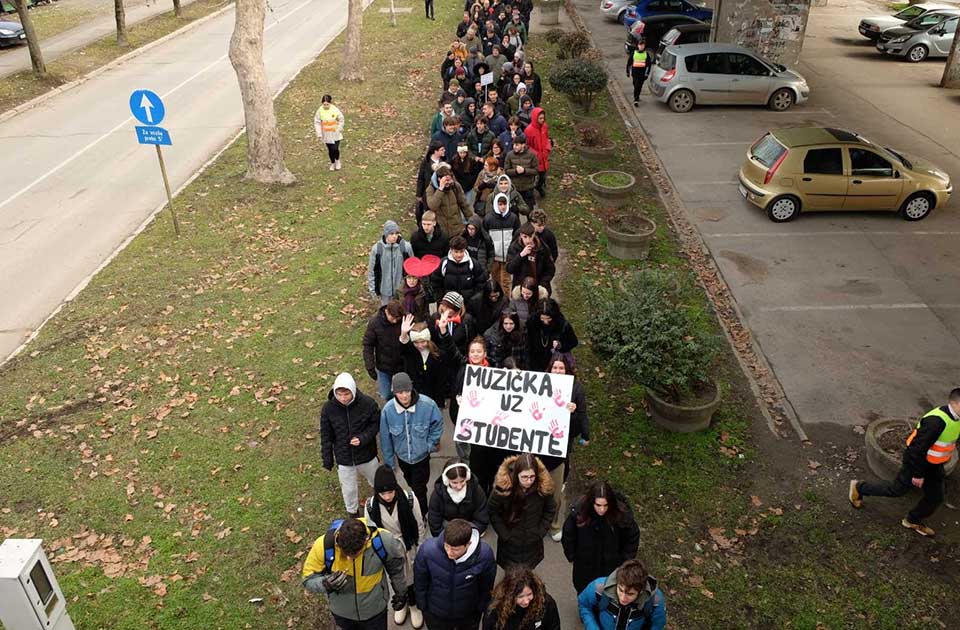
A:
773	28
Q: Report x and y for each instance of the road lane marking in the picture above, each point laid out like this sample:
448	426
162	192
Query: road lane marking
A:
830	233
857	307
129	119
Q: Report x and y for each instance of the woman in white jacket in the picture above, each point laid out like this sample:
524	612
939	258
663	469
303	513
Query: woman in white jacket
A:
328	123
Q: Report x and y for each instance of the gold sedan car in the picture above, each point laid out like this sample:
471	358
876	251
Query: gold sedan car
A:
819	168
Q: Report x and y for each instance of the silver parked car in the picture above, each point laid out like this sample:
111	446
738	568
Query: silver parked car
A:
916	45
723	74
872	27
614	9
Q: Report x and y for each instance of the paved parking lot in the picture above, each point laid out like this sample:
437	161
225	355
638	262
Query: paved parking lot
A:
857	313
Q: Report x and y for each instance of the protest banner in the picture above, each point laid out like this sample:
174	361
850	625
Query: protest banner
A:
515	410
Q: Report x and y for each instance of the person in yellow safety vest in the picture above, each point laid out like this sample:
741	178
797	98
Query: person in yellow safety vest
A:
931	445
638	65
328	123
350	564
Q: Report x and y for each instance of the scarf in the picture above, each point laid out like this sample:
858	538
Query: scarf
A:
458	495
410	297
408	522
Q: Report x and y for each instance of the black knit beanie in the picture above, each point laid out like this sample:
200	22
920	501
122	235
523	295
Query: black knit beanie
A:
384	479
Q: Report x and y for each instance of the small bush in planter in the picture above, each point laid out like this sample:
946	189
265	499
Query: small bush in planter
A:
580	80
592	136
649	333
593	54
572	45
553	35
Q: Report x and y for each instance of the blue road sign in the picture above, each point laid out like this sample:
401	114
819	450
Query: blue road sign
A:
153	135
147	107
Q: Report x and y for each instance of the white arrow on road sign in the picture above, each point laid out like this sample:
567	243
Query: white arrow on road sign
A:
147	106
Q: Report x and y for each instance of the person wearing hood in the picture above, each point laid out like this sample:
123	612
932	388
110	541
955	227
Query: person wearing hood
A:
538	137
502	227
485	184
548	332
515	202
522	165
627	599
453	577
385	266
459	272
487	305
447	200
434	157
519	92
410	428
428	369
521	510
525	114
469	116
456	494
397	511
479	245
381	346
349	422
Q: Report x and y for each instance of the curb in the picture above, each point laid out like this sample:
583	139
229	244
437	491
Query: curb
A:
19	109
766	388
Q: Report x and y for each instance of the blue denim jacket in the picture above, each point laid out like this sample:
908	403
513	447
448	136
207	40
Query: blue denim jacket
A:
411	434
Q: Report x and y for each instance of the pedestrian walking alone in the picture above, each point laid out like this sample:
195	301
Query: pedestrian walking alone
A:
349	422
637	68
328	123
521	510
428	8
521	602
931	445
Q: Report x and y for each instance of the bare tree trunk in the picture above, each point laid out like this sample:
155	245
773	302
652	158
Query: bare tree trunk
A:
951	73
177	10
33	41
121	14
352	67
264	151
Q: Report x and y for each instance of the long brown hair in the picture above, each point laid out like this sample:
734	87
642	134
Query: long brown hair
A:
431	347
524	461
603	490
504	599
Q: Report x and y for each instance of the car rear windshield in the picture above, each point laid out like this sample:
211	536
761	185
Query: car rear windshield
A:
671	36
667	61
909	13
767	150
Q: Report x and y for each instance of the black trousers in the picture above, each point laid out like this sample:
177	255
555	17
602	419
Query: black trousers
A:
541	184
428	7
374	623
436	623
333	150
932	491
638	80
528	198
417	476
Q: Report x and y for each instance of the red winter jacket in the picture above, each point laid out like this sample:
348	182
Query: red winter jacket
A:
538	138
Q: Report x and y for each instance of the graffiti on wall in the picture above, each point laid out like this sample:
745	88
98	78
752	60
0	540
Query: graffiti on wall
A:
773	28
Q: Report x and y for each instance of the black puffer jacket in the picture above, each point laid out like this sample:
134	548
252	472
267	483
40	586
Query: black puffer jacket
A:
431	378
472	508
339	424
466	277
439	245
541	268
598	547
520	535
381	344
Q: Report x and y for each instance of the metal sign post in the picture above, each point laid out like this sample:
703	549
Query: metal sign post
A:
147	107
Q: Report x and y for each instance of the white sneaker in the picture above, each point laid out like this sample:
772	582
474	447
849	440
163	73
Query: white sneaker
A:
557	537
416	618
400	616
333	167
338	165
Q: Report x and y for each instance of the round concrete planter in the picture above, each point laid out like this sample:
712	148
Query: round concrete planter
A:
681	418
615	196
633	245
886	465
549	12
596	153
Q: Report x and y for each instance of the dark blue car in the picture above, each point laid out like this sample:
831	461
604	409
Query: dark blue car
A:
647	8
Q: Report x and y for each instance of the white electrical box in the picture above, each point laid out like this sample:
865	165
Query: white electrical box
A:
30	598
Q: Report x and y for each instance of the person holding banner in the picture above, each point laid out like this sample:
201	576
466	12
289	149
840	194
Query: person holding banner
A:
521	510
548	332
476	355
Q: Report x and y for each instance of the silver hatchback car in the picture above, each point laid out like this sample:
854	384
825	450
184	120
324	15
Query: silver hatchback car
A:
723	74
916	45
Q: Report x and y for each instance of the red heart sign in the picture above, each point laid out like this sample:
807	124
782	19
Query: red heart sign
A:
421	267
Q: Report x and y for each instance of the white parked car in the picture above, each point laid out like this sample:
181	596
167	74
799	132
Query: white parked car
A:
614	9
872	27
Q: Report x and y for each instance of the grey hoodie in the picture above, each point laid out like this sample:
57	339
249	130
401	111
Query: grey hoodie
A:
385	267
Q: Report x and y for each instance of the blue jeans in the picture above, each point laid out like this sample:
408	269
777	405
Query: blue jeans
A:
384	385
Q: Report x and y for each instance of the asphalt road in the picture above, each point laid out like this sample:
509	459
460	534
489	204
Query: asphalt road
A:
94	28
77	184
857	313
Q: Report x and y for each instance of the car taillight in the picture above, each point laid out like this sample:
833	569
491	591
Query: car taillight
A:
773	169
607	5
668	76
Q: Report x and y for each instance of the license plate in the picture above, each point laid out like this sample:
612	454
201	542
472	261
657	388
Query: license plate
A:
743	191
23	35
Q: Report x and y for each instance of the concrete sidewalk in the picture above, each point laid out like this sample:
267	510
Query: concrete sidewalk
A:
97	27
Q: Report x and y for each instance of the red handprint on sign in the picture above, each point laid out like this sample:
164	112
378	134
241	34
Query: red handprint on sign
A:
474	399
465	427
536	412
558	399
555	429
497	419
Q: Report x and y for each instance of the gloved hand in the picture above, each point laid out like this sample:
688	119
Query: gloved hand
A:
398	601
372	373
335	582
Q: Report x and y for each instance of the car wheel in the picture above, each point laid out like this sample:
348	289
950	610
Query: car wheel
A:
783	209
681	101
620	17
917	54
917	206
781	100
